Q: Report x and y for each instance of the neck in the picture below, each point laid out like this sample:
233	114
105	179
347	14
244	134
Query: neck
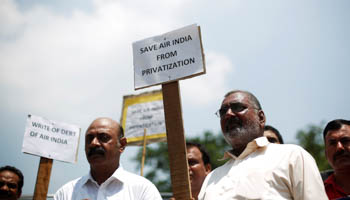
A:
342	179
101	173
237	151
195	195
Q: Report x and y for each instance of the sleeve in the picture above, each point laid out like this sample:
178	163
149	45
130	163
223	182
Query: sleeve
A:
59	195
306	179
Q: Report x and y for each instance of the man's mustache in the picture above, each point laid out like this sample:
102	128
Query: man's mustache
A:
340	153
96	150
4	193
232	122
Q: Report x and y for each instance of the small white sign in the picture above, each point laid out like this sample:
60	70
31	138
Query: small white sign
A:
149	116
168	57
144	112
50	139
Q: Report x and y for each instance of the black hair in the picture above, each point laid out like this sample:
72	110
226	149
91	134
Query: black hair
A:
275	131
205	155
334	125
18	173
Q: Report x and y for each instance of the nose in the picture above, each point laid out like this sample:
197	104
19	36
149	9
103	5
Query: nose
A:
95	142
229	113
340	146
4	187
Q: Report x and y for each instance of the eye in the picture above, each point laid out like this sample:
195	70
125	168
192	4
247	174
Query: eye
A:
237	107
12	185
88	139
104	137
272	140
223	110
345	141
9	185
192	162
332	142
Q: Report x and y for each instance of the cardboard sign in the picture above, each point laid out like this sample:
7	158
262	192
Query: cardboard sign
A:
50	139
168	57
144	111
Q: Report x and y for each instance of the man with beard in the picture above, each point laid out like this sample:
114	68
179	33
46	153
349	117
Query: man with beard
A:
104	142
337	141
258	169
11	183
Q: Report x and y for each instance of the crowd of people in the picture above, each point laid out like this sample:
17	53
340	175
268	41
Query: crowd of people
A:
259	165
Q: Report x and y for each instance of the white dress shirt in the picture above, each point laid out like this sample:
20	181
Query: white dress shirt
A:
121	185
265	171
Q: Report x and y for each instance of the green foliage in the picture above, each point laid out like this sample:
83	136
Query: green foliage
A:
311	139
157	159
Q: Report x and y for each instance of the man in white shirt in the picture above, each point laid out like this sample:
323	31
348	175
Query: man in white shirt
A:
258	169
104	143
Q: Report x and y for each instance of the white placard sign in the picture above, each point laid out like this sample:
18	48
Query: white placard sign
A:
168	57
149	116
144	112
50	139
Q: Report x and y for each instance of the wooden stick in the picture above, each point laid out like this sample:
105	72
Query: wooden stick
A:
176	141
143	151
43	179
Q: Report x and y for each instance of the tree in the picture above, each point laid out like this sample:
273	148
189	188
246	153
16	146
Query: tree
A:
311	139
157	160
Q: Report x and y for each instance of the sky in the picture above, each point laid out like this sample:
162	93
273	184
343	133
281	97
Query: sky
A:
71	61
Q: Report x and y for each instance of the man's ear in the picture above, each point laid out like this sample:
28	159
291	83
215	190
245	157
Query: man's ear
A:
123	143
207	168
262	118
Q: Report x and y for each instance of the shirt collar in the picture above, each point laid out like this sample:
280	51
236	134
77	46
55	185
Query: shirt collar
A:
118	174
330	182
257	143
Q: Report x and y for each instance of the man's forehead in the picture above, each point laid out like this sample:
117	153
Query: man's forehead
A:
344	131
102	124
237	97
193	150
9	175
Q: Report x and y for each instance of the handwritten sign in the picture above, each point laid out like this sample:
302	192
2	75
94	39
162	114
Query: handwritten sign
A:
168	57
50	139
144	111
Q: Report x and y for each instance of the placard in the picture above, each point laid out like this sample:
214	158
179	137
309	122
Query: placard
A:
140	112
169	57
51	139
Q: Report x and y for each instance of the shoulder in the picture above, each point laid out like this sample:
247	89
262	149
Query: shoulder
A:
286	147
291	149
140	185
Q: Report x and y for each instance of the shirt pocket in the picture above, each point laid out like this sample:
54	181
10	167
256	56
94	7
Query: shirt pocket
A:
253	186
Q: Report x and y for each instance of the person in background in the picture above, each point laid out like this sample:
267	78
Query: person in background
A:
337	149
257	169
11	183
273	135
199	166
104	143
